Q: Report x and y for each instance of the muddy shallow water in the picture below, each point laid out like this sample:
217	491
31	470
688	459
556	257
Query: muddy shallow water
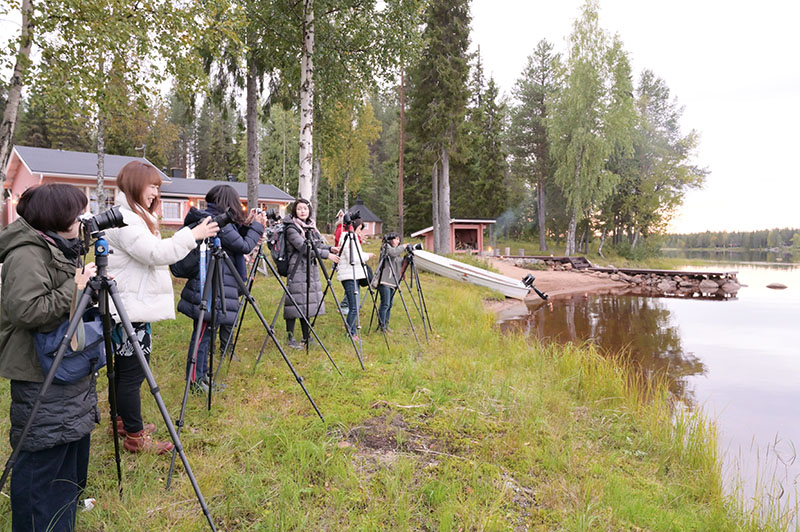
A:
738	359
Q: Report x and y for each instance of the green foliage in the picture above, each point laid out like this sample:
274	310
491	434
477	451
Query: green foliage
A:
220	132
352	128
737	239
279	148
592	117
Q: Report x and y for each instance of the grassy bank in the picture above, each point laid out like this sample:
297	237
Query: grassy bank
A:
473	430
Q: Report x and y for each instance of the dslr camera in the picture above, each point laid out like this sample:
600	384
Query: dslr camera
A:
410	248
92	226
350	217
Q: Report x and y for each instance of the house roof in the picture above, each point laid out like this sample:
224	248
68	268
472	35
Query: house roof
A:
74	163
428	229
180	186
366	214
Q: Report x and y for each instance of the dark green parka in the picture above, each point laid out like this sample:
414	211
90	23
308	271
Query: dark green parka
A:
37	288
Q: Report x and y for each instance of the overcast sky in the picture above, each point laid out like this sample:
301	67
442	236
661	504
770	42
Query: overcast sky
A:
733	65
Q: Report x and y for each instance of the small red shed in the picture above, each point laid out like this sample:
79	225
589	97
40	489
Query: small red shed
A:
465	234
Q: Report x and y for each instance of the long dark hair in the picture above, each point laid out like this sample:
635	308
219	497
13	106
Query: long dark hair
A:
53	207
225	197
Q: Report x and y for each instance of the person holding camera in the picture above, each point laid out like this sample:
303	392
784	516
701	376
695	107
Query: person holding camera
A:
140	265
41	274
388	276
238	238
303	282
351	272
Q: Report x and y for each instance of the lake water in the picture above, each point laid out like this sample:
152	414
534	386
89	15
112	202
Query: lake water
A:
738	359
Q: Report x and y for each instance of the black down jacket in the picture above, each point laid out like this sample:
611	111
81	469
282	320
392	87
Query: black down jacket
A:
296	281
236	241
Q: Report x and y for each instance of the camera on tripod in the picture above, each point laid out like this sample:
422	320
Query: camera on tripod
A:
92	225
410	248
225	218
271	214
350	217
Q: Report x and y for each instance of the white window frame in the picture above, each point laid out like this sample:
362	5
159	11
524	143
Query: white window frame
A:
177	203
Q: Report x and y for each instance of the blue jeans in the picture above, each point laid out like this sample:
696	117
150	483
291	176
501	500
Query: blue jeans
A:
351	294
223	333
46	486
385	309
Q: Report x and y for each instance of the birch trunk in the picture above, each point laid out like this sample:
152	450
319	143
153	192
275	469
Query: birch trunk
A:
444	202
435	201
252	137
100	192
573	224
346	199
14	92
307	103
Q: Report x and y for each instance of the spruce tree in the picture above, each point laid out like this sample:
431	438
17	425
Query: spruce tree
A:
438	103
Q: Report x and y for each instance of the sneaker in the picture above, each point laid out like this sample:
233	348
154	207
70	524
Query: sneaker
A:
199	387
138	442
355	337
148	428
217	386
294	344
309	342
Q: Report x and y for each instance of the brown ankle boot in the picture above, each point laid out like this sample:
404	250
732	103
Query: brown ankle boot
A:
141	441
148	428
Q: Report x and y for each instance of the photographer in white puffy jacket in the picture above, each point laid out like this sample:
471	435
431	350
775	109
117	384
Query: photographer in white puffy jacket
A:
140	265
349	274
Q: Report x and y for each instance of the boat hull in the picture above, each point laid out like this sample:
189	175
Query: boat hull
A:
459	271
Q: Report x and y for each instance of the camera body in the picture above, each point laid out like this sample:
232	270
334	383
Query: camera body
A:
92	226
350	217
225	218
388	237
410	248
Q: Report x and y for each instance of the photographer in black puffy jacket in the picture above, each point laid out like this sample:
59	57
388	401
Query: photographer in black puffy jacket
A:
237	238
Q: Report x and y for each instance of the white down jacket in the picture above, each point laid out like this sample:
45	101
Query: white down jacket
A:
140	261
346	271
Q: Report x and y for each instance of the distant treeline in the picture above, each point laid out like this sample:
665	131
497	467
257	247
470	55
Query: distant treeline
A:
765	238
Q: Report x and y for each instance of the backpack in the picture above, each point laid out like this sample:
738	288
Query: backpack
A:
189	266
276	242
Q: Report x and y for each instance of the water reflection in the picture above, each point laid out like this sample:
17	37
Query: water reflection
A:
641	327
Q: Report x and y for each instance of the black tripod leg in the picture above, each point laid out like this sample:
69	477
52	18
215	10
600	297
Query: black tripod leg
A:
403	300
338	308
154	390
303	316
112	384
270	331
243	309
422	299
83	302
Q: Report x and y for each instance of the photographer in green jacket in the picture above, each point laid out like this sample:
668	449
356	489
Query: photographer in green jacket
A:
40	256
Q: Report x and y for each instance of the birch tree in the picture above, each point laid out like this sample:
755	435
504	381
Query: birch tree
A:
21	62
592	117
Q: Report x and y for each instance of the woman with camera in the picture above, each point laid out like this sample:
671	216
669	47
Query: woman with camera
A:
237	238
387	277
41	275
303	281
140	266
352	270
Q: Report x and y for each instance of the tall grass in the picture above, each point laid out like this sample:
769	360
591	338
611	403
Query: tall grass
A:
473	430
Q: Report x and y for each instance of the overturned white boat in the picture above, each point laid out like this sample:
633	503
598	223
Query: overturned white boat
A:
459	271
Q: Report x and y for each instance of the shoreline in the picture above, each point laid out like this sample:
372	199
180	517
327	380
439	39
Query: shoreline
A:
551	282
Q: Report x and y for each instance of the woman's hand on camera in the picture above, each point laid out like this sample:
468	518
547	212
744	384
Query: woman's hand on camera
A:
334	258
261	218
82	275
205	229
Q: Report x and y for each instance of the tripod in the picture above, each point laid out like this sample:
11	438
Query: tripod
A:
217	259
261	257
349	239
421	306
102	288
311	249
383	262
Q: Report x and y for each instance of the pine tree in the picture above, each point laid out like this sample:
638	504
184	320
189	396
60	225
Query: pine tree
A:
528	140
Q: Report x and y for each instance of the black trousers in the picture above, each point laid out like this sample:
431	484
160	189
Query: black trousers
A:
303	325
129	374
46	486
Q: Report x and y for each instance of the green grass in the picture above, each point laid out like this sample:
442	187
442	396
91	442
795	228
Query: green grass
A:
473	430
